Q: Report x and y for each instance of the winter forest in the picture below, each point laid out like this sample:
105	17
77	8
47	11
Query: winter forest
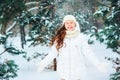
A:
27	26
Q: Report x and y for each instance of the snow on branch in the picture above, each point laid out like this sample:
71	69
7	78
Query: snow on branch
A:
29	3
11	27
34	8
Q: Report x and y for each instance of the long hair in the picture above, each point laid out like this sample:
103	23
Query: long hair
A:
59	37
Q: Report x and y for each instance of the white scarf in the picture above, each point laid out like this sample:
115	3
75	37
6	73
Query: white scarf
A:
72	34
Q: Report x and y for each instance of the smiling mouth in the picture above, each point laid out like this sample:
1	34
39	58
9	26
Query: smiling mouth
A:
69	27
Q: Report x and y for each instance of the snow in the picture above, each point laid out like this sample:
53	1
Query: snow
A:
33	75
29	3
34	8
28	70
11	26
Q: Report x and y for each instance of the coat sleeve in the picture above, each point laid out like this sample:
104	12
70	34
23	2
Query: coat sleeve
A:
87	51
48	59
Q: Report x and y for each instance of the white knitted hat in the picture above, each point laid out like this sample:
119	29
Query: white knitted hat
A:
71	17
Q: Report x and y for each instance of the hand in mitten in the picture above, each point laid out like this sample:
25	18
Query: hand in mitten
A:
40	67
102	68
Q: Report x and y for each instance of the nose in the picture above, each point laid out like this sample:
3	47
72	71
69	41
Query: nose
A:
69	23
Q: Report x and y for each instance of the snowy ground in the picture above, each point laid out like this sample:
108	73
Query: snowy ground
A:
28	70
33	75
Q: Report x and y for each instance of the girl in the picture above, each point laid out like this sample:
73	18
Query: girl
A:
70	48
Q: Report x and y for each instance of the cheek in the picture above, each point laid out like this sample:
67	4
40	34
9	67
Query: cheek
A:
66	26
73	26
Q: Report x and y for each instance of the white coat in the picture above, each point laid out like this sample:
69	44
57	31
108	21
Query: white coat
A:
71	57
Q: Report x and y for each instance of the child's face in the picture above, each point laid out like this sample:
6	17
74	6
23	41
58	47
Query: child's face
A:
70	25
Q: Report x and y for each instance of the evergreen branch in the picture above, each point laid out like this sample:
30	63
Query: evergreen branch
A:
4	51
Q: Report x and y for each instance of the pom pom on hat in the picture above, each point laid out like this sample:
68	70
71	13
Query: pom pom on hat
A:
69	17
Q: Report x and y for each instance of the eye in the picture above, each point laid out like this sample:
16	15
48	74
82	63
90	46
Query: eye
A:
67	23
71	22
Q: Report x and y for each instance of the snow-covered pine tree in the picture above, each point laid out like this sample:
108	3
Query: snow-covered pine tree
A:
41	23
8	10
40	18
8	68
110	34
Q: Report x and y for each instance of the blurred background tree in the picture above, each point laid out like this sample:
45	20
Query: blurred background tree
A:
110	33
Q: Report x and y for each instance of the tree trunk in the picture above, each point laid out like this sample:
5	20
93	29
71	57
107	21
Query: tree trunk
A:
3	29
22	33
55	64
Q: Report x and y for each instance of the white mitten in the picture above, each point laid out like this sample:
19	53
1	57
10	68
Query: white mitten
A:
102	68
40	67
